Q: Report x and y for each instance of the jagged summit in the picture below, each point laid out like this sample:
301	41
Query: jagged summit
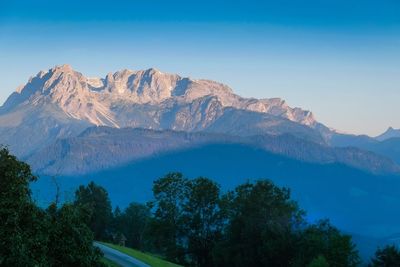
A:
63	68
93	99
60	104
62	98
389	133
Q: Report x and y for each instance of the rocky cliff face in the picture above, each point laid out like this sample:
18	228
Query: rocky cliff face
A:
51	122
98	100
62	103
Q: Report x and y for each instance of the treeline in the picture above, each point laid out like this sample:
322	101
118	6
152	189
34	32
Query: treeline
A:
192	223
189	221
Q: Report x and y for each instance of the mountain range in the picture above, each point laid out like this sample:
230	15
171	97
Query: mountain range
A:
130	127
99	148
62	103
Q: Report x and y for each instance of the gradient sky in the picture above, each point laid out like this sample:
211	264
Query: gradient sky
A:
337	58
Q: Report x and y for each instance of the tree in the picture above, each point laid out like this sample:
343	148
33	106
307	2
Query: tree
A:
94	199
134	223
70	239
262	227
30	236
324	239
187	219
388	256
202	219
116	225
319	261
22	230
170	193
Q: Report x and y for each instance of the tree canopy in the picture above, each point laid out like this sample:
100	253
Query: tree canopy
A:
31	236
387	256
257	224
94	199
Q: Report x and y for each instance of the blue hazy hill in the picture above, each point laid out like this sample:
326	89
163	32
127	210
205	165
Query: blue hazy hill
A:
360	203
354	200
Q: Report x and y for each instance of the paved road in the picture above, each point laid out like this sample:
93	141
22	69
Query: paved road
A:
119	257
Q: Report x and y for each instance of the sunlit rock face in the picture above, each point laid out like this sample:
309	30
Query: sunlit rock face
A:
93	99
62	102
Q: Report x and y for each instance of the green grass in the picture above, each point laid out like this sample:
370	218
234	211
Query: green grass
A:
109	263
151	260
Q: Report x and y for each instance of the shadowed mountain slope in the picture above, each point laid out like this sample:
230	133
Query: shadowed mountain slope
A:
100	148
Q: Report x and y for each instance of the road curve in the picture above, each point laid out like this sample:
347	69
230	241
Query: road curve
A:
119	257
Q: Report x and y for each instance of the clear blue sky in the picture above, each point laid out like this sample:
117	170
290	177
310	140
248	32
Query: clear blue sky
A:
339	59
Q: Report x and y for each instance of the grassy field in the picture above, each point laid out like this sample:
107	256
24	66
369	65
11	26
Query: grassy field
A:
109	263
146	258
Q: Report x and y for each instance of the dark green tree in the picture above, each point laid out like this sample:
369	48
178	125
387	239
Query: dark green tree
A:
319	261
70	239
188	219
202	220
116	223
388	256
94	199
23	238
324	239
134	224
262	228
257	224
170	194
30	236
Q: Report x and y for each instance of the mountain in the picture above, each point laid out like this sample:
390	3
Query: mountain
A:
389	148
101	148
30	127
62	103
51	122
390	133
98	100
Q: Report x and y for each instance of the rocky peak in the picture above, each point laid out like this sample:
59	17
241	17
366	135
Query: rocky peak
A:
62	68
92	98
390	133
61	77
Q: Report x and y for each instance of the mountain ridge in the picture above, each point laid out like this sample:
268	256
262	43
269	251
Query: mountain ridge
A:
101	148
151	86
58	105
388	134
64	99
